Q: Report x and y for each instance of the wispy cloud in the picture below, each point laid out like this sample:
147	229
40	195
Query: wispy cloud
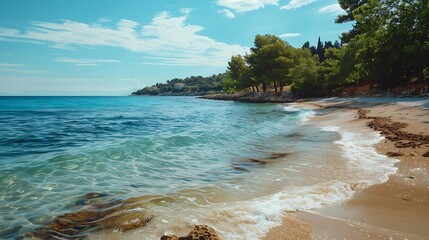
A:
290	35
10	65
333	8
245	5
227	13
21	71
17	68
165	36
175	61
85	62
297	4
2	39
62	46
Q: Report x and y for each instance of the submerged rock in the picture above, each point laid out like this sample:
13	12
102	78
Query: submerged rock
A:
93	195
280	155
200	232
238	168
95	216
9	232
126	221
89	198
257	161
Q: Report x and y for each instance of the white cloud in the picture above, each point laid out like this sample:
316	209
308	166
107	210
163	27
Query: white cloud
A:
297	4
17	68
178	61
10	65
165	37
85	62
245	5
62	46
21	71
227	13
333	8
290	35
18	40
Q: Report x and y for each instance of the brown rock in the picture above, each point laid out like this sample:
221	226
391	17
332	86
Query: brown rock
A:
125	221
394	154
278	155
362	113
93	195
200	232
426	154
238	168
173	237
391	130
257	161
101	215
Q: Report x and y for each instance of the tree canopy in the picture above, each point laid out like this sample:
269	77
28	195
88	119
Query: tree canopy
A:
387	46
195	85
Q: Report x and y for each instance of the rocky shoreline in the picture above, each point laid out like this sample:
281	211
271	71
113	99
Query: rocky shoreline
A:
200	232
254	97
99	212
415	90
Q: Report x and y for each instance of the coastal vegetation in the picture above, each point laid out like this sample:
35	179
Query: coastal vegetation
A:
195	85
387	47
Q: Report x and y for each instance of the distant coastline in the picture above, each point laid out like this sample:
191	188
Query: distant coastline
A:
190	86
418	89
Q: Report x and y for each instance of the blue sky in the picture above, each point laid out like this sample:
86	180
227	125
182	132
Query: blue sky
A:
113	47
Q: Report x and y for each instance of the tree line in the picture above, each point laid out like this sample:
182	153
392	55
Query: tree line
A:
191	85
387	46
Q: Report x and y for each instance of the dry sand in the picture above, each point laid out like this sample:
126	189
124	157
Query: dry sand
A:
396	209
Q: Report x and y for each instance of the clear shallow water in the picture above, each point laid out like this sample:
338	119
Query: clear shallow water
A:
234	166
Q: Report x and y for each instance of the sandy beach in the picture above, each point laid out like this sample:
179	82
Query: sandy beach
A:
395	209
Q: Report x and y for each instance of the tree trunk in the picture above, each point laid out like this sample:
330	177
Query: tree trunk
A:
275	86
281	86
264	86
257	89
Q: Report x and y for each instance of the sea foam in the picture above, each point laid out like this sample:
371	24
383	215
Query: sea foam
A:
366	165
304	114
358	149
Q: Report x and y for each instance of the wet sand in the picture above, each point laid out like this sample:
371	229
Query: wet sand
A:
396	209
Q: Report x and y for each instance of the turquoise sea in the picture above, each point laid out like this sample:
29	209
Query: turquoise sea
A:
181	161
